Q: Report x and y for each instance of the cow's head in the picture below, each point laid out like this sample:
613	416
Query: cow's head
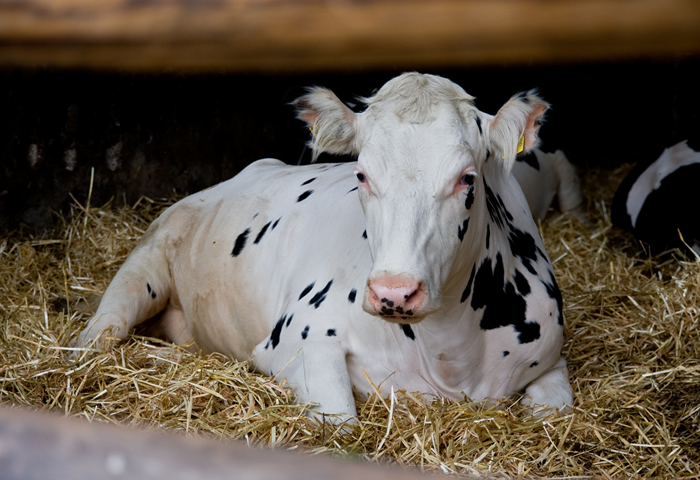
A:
422	146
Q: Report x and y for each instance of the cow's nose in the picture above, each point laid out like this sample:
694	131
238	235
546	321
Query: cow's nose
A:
396	296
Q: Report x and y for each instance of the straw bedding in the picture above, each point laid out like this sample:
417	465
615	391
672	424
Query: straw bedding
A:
632	346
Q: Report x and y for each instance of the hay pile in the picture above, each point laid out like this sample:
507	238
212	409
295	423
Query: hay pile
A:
632	346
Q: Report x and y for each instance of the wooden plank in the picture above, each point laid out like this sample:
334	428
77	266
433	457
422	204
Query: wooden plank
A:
37	445
303	35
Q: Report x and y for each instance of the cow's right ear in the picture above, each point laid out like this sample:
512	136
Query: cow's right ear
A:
332	123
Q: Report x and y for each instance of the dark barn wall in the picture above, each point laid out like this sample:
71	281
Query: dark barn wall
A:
158	134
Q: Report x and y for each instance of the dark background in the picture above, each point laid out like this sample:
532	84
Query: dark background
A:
180	134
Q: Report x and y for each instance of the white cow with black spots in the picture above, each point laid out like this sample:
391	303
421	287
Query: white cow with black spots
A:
657	201
418	266
548	181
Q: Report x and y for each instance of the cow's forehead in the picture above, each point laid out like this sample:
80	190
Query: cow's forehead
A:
443	144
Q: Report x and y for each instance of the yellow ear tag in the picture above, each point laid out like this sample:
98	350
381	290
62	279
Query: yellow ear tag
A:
521	145
312	131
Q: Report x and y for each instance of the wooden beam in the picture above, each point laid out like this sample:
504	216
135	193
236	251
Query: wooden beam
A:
36	445
305	35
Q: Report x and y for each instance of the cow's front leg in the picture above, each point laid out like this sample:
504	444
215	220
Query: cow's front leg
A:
318	373
550	390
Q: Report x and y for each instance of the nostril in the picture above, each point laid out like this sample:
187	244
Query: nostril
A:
400	295
415	298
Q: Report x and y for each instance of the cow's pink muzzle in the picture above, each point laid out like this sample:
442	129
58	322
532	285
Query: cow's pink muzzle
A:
396	297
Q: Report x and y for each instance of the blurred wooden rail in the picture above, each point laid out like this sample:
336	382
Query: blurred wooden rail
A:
41	446
303	35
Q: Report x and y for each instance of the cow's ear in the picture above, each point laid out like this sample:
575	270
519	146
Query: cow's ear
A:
515	127
332	123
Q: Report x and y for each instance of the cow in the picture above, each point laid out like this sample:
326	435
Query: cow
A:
657	199
418	267
549	181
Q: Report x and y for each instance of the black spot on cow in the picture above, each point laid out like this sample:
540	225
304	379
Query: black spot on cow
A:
488	154
289	320
256	215
407	330
304	195
275	335
497	210
262	232
305	333
505	211
468	289
522	283
534	364
364	234
462	229
388	302
148	287
389	312
488	235
523	246
530	159
506	353
399	310
352	295
502	305
320	296
554	293
478	124
240	243
275	224
352	190
307	290
469	200
330	332
153	294
308	181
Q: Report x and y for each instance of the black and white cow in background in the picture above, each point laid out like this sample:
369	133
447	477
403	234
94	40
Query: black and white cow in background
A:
658	199
549	179
419	265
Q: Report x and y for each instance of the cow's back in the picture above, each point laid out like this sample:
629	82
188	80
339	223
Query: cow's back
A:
241	251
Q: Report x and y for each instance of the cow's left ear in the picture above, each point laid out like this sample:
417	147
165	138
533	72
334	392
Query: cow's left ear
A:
332	123
515	127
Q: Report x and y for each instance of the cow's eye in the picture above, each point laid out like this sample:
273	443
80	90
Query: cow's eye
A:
361	177
467	179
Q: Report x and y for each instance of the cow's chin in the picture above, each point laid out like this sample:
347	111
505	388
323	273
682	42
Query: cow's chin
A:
397	319
412	320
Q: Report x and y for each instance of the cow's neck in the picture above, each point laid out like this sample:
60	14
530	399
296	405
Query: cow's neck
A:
452	338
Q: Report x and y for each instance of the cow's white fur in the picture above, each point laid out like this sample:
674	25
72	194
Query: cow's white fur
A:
415	142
